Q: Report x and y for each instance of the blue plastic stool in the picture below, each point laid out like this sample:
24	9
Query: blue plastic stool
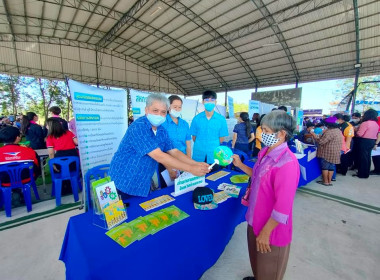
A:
95	173
64	174
14	171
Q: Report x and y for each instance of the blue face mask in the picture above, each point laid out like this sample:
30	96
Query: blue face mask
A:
209	106
155	120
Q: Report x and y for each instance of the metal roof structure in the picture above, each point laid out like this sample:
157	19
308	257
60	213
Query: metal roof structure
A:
189	46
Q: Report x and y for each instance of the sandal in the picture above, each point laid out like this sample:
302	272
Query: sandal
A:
323	183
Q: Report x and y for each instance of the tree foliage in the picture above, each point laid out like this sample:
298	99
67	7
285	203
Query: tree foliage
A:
25	94
366	91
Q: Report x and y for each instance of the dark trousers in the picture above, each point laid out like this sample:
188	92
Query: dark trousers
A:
365	147
344	163
267	266
376	162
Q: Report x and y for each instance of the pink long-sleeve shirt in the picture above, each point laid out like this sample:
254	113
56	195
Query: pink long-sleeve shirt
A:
368	129
274	183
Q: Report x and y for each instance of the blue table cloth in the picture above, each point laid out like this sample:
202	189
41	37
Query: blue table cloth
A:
184	250
312	167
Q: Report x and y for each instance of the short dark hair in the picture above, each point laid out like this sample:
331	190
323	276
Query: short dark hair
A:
8	134
55	128
283	108
346	118
55	110
174	97
356	115
339	116
309	124
209	94
370	115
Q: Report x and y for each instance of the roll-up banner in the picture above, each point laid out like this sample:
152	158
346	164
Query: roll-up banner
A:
101	121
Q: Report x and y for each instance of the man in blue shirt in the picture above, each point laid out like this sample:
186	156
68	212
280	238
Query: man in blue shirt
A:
145	143
208	129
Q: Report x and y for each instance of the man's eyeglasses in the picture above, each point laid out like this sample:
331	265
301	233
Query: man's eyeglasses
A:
209	100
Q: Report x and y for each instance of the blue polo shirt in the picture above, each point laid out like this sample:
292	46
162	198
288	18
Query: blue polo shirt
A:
241	130
131	167
207	133
178	133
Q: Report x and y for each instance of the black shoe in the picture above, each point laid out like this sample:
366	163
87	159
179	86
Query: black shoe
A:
249	278
354	175
333	180
374	173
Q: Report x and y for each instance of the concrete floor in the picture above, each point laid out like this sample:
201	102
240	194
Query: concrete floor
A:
331	241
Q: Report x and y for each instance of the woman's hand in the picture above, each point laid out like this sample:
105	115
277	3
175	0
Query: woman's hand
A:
236	160
262	242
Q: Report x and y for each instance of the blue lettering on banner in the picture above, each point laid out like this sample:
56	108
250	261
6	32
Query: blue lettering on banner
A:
88	97
87	117
136	110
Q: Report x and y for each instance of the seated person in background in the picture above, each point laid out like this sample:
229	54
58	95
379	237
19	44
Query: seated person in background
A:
243	134
145	144
60	142
32	131
13	152
55	113
305	135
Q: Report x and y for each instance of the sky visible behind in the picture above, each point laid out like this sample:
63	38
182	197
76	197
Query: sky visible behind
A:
315	95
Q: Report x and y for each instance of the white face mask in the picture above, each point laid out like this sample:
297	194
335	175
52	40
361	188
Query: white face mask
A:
269	139
175	113
355	120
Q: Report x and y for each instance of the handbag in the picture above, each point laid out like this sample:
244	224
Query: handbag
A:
245	198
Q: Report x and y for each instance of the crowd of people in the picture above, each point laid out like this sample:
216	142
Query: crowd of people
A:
161	140
55	136
344	142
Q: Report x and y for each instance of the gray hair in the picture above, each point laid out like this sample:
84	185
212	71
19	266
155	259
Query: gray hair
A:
279	120
153	97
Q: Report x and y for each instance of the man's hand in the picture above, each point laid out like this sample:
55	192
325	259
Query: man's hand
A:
262	242
173	173
203	164
236	160
199	170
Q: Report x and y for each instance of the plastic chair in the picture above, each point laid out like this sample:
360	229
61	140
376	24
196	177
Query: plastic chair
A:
64	174
95	173
14	170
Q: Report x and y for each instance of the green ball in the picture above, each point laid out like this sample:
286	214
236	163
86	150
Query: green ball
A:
224	155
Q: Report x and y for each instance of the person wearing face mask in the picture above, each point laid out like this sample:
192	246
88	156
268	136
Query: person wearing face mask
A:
208	129
178	131
243	134
355	119
145	144
177	128
274	181
328	151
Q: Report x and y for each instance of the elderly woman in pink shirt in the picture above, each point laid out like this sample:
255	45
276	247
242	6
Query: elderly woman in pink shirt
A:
366	137
274	180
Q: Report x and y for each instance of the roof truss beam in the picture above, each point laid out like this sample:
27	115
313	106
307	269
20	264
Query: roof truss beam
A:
126	19
277	31
72	43
188	13
286	14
